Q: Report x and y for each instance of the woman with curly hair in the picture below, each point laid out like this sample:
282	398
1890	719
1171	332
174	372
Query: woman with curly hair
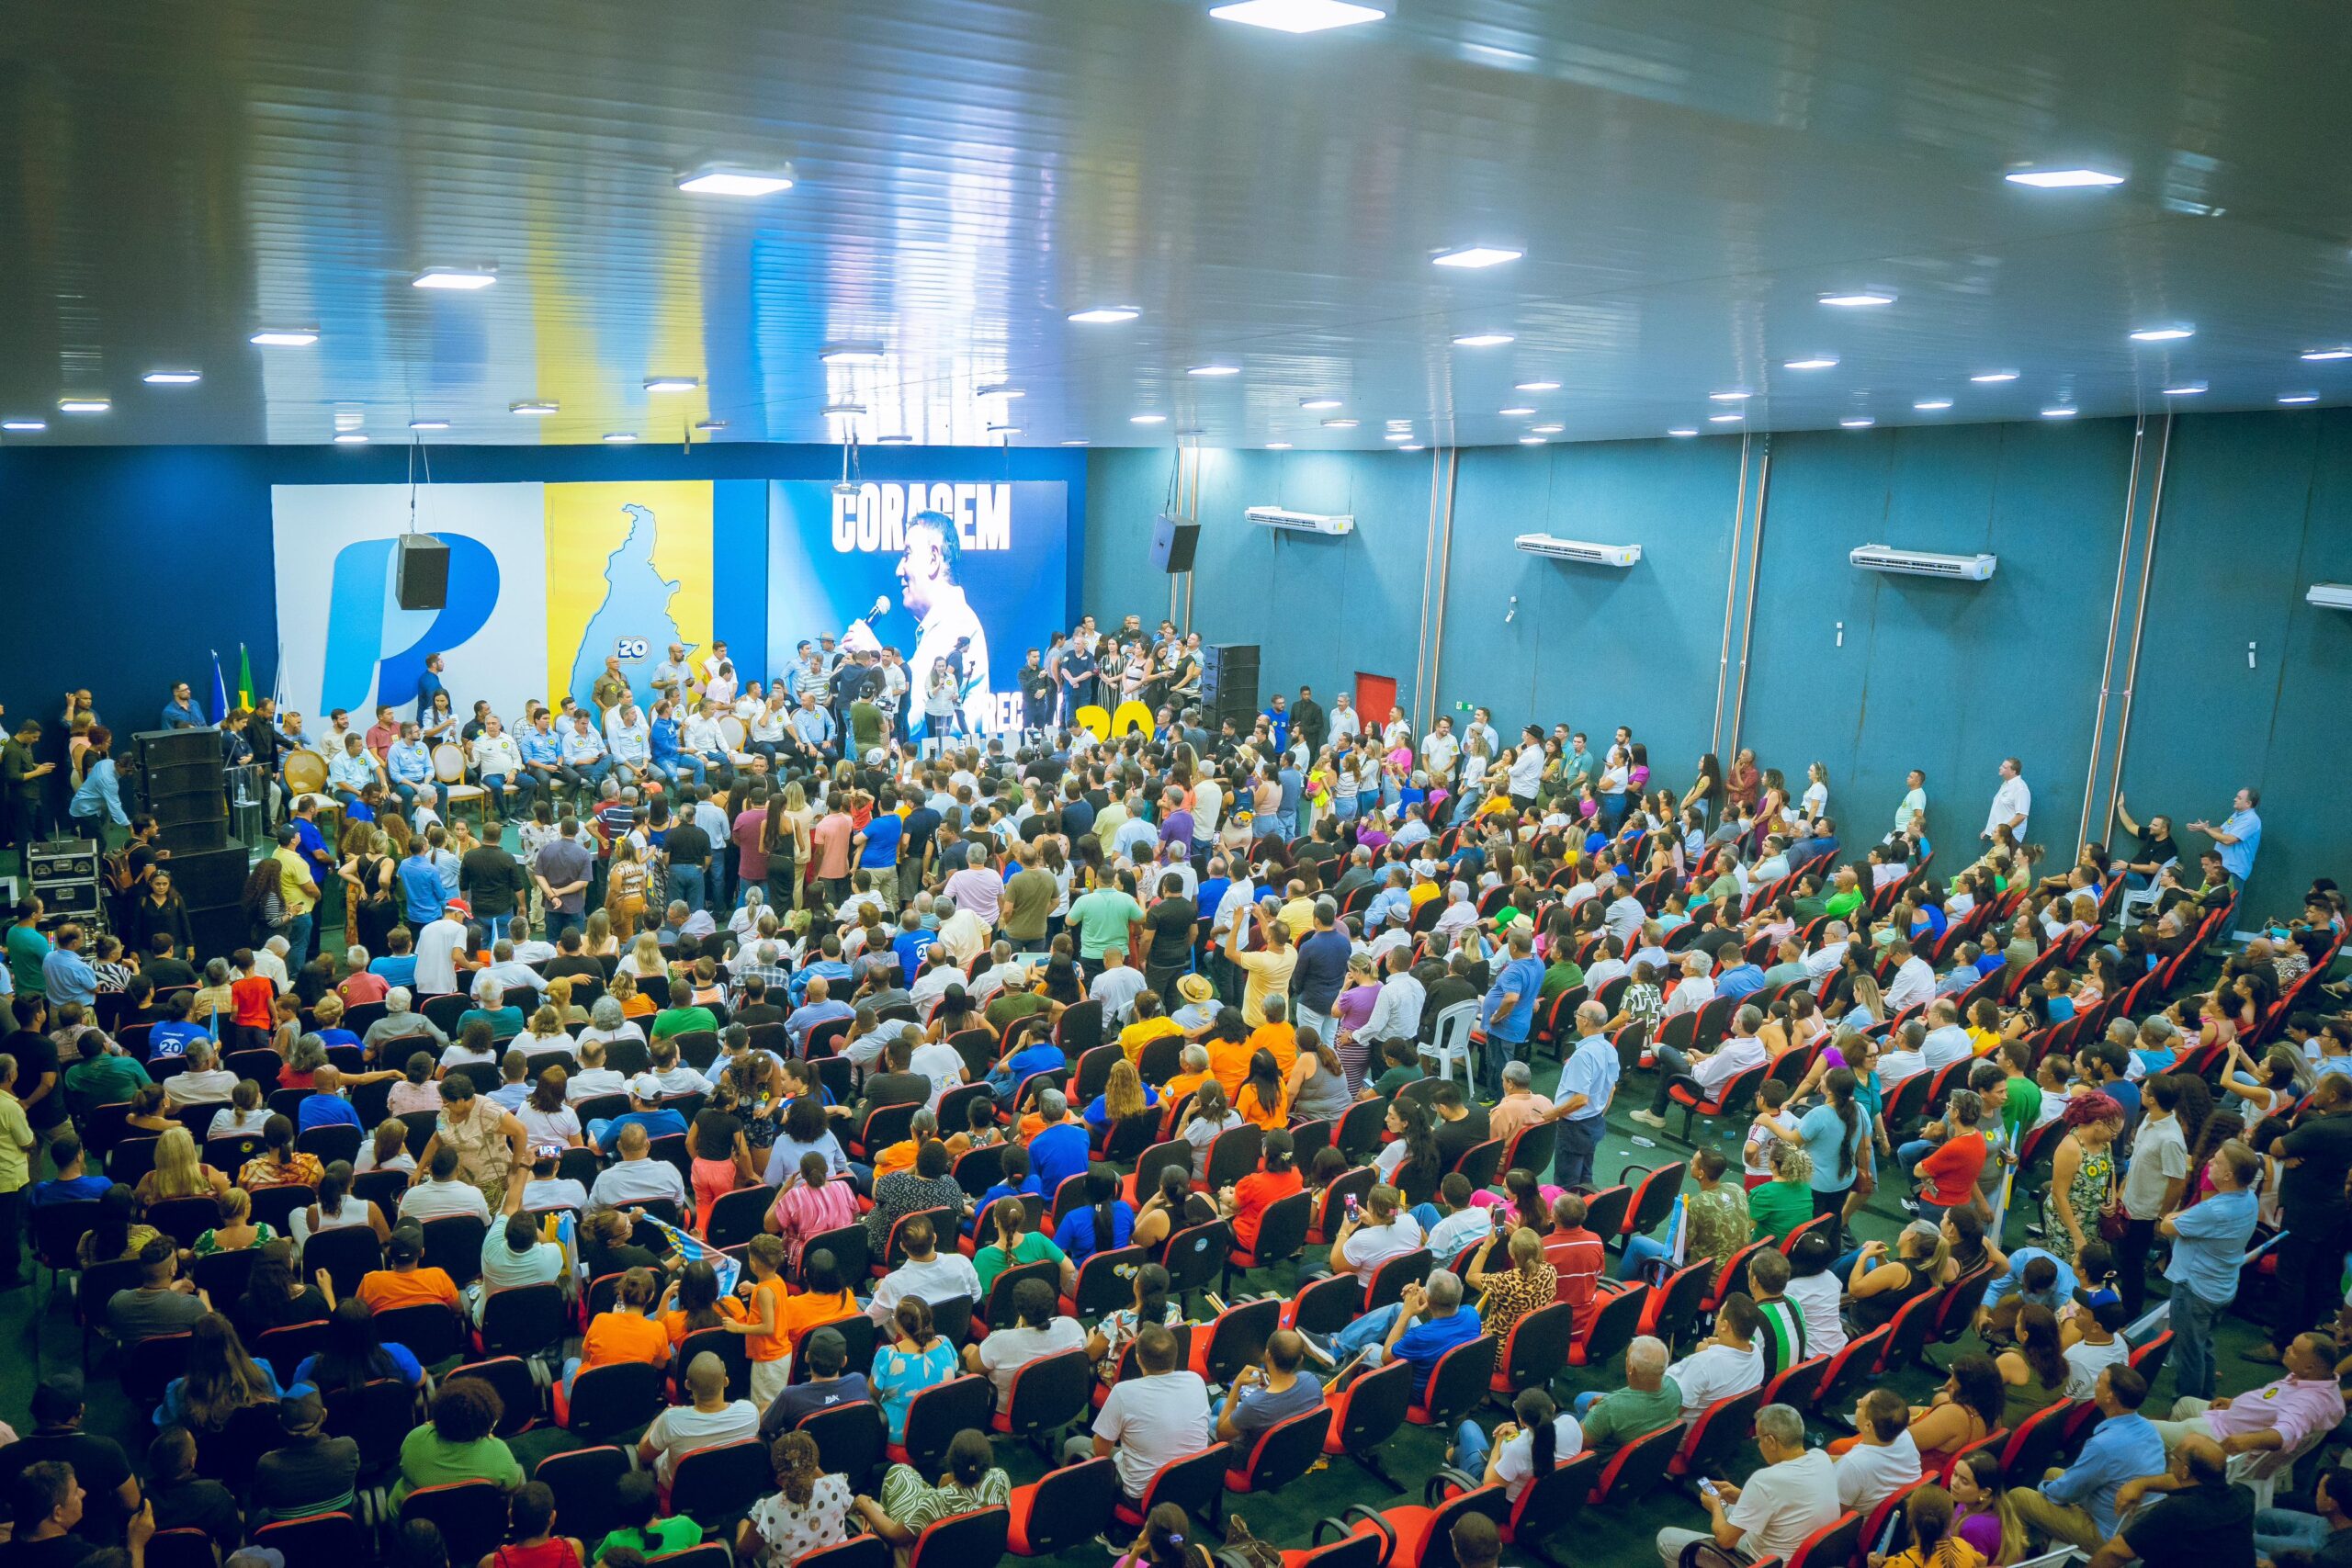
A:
459	1443
2082	1173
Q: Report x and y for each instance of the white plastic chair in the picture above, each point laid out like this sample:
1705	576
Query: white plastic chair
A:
1451	1043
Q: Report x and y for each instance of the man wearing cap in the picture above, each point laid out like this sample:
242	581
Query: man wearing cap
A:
308	1471
830	1385
645	1109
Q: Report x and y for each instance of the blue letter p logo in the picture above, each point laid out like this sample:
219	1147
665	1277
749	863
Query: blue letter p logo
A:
364	621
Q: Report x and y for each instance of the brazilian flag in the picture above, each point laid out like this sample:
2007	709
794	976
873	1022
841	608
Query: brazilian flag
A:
244	679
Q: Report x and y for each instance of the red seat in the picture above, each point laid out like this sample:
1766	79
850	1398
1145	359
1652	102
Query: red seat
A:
1193	1482
1065	1508
1422	1535
1535	1349
1282	1453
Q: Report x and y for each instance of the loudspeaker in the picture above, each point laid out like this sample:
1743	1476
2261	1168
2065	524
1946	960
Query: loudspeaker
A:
1172	542
1229	683
217	930
210	879
422	572
178	748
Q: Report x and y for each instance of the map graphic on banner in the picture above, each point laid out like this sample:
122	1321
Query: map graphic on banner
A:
545	581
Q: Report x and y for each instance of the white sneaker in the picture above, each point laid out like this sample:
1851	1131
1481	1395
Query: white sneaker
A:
1648	1118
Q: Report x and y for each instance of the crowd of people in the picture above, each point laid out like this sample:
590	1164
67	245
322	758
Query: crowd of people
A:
838	973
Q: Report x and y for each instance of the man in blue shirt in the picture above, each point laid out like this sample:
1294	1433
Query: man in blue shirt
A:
2238	837
1741	979
2078	1507
420	882
645	1109
1508	1010
427	684
180	712
1061	1151
2209	1244
1418	1330
1587	1079
172	1036
325	1106
1039	1056
410	765
910	944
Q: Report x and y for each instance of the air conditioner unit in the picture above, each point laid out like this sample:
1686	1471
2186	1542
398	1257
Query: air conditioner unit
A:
1922	563
2330	595
1302	521
1552	548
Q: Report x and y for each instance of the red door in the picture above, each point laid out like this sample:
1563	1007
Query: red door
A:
1376	695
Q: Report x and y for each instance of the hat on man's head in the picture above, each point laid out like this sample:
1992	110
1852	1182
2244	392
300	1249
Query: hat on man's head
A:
1195	989
303	1412
645	1086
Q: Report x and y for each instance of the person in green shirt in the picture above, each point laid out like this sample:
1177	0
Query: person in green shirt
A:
1786	1202
1849	897
2021	1099
17	1143
865	727
684	1021
27	950
1561	975
1102	918
1648	1401
459	1443
1809	906
1016	1244
1016	1001
1403	1066
636	1501
103	1076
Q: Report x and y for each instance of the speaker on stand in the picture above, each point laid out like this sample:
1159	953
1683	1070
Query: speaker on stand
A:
181	784
1229	684
212	884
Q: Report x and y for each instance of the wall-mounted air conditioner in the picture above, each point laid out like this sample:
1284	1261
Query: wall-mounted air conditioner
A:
1302	521
2330	595
1923	563
1584	551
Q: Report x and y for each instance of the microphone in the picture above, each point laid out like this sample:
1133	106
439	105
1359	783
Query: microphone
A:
881	607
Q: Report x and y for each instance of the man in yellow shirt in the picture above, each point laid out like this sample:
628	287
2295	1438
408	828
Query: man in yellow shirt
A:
1151	1023
1298	915
1425	885
1267	968
302	896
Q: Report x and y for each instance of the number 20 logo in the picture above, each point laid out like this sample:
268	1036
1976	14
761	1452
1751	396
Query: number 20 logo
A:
629	646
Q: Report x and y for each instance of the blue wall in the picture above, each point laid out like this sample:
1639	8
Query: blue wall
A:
1948	677
126	565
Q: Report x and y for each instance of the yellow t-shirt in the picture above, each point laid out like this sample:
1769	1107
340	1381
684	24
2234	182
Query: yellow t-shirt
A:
1423	892
1984	1042
1136	1037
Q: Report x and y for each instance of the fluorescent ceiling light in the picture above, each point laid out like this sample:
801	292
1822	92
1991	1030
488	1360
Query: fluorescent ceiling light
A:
1725	418
1073	441
2319	355
1729	397
429	425
1991	378
1340	424
1318	402
671	383
2163	334
1860	421
852	354
1547	429
904	441
1105	315
708	425
2299	397
2060	410
531	408
1534	441
2186	389
619	437
83	405
24	426
1682	430
172	378
1297	16
1277	446
1397	435
1477	256
1415	446
462	278
1537	387
285	337
1818	362
1520	412
1482	339
1148	419
2062	179
1857	299
1000	390
352	438
1932	405
1213	370
719	180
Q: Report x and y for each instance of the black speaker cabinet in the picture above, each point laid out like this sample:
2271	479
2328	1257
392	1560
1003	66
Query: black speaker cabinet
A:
423	572
209	878
1172	543
217	929
178	748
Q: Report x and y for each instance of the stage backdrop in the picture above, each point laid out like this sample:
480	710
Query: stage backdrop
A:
545	582
997	588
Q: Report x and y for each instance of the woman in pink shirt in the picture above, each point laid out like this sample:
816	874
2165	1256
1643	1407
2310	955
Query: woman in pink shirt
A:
811	1204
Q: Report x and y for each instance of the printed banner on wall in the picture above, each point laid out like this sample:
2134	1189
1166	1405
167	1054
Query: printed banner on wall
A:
976	594
545	582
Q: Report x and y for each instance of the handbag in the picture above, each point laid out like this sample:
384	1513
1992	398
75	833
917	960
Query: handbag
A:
2114	1220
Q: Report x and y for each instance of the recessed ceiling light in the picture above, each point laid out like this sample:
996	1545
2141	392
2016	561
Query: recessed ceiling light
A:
285	337
1537	387
1476	255
1148	419
531	409
83	405
172	378
2172	333
1340	424
2059	410
1213	370
1729	397
2299	397
2319	355
1105	315
671	383
1547	429
1818	362
429	425
1277	446
1857	299
352	438
456	277
1297	16
1000	390
1932	405
1520	412
1682	430
2185	389
619	437
24	426
1725	418
1318	402
2062	179
1991	378
719	180
852	354
1534	441
1482	339
1860	421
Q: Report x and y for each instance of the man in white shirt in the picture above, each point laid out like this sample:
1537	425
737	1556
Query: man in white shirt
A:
639	1177
708	1417
1373	1234
1775	863
437	946
593	1077
1793	1495
1725	1363
1913	983
1459	912
1908	1057
441	1193
1697	989
2012	803
939	975
203	1081
512	1253
942	1064
1149	1420
1835	937
1396	1012
527	948
1116	989
1947	1042
1441	751
1625	915
1527	767
927	1273
1884	1458
1709	1071
1462	1222
1346	723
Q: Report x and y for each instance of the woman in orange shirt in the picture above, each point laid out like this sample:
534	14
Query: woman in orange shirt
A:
630	1332
823	1299
1264	1100
693	1303
1246	1201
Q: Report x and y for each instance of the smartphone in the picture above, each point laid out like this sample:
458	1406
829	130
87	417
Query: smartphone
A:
1349	1203
1706	1487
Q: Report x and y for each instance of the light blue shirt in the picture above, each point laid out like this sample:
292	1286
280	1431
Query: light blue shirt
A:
2212	1240
1523	979
1590	1070
100	790
68	979
814	726
408	761
2122	1447
2015	1279
2237	859
631	742
1384	902
353	773
579	747
1823	1133
546	749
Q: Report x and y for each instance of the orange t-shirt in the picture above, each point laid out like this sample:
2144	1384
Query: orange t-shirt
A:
1252	1195
252	996
899	1155
673	1324
1229	1065
614	1337
383	1289
1251	1109
1279	1039
769	1347
796	1315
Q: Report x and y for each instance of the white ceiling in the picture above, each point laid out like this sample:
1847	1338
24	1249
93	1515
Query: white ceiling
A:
1686	177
